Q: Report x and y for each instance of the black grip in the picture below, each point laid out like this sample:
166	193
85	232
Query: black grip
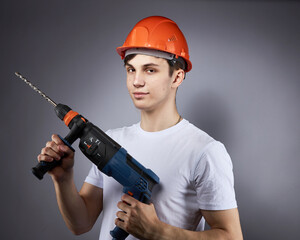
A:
77	125
119	234
42	167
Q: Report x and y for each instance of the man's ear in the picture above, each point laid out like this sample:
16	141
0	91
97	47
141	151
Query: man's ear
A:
178	77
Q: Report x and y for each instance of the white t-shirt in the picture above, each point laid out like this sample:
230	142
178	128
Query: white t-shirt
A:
195	173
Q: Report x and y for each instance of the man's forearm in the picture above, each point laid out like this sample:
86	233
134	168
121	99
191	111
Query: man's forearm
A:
72	206
168	232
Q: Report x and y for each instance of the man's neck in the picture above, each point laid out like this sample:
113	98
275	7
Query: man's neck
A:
154	121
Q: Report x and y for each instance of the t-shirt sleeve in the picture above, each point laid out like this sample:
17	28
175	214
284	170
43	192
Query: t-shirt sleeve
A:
95	177
214	180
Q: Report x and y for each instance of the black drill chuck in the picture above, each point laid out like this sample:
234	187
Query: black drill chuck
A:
62	110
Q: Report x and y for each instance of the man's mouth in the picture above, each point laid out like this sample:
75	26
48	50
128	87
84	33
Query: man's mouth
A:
140	94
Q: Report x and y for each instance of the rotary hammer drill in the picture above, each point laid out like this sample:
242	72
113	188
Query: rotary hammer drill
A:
104	152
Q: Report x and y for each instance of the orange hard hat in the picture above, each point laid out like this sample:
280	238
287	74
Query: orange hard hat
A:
158	33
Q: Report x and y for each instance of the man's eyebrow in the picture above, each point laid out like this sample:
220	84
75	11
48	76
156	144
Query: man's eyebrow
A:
150	65
144	65
127	64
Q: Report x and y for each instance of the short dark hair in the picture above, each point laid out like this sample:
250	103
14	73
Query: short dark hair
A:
173	64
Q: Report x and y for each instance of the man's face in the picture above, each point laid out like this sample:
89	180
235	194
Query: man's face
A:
149	83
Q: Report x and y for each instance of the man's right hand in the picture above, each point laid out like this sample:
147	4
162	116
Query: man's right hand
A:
56	150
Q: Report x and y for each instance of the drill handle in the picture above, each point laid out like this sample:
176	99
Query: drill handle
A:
42	167
118	234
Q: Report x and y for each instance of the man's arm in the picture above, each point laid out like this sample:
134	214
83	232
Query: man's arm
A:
141	221
81	209
224	224
227	221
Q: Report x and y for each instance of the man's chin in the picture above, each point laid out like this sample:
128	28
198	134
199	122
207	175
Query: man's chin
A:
142	107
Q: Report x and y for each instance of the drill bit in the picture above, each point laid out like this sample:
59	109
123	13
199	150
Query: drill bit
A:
36	89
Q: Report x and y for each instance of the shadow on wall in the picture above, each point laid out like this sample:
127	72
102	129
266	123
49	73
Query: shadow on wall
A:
209	112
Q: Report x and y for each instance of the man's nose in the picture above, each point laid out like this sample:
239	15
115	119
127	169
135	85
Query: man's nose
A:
138	79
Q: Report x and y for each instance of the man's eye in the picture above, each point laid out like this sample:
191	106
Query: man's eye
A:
130	70
150	70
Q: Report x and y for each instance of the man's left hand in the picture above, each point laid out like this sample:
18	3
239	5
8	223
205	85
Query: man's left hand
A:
137	218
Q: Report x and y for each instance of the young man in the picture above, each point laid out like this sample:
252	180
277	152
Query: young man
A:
196	180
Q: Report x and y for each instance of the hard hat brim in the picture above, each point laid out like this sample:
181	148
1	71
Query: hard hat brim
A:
122	50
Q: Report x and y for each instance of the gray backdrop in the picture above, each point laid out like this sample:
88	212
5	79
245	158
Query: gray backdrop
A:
243	90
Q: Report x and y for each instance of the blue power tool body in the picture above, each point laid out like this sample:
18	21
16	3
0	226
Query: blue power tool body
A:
108	156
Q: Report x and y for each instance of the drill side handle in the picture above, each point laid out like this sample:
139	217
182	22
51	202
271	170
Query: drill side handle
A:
42	167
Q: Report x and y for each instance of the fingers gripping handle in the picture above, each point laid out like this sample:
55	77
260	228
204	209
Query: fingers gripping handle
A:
66	143
42	167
